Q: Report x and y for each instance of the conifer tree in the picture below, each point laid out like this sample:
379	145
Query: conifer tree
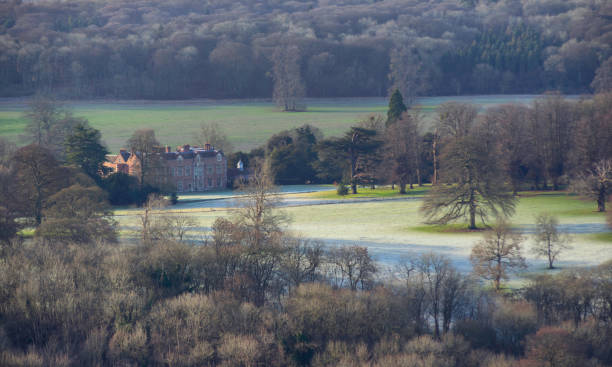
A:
396	107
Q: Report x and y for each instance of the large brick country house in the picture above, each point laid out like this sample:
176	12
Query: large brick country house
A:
187	169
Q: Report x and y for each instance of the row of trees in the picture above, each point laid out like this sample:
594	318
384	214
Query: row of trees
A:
253	294
477	163
235	49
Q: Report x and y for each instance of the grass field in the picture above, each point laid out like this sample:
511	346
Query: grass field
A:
247	123
392	229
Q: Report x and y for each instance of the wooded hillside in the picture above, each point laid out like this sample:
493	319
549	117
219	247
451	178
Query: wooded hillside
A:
225	49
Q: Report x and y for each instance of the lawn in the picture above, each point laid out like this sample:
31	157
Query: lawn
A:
247	123
393	229
366	192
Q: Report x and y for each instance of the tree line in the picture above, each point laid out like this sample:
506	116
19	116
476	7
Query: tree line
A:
485	158
236	49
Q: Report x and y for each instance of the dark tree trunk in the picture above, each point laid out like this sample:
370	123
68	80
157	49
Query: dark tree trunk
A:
601	201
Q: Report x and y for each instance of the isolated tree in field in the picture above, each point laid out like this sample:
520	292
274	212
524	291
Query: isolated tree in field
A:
38	176
396	107
78	214
354	266
84	149
498	254
402	151
475	189
356	143
289	89
142	143
549	241
212	133
596	184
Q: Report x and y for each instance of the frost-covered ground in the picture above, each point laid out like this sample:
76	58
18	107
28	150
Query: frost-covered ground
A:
393	228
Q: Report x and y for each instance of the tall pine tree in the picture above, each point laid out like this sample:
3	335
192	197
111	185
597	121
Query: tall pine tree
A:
85	150
396	107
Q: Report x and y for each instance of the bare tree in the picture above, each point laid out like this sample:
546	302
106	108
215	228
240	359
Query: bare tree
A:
212	133
43	115
596	183
289	89
455	120
354	265
402	148
178	225
38	176
476	186
301	260
549	242
151	220
257	213
142	143
433	272
498	254
49	124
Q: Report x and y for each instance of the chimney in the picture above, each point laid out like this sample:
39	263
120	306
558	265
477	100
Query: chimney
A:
207	147
168	149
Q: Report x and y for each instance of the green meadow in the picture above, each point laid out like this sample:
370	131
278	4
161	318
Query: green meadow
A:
247	123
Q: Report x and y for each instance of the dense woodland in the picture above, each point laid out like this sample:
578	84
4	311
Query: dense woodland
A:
241	49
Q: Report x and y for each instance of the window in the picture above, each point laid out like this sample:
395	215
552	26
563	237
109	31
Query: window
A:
209	182
187	171
179	187
219	181
209	170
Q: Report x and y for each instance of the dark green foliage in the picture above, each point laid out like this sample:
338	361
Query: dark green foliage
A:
80	215
291	155
396	107
351	149
85	150
124	189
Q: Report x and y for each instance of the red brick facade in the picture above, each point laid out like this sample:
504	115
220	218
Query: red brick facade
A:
188	169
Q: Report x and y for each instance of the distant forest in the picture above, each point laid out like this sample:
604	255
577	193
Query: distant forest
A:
160	49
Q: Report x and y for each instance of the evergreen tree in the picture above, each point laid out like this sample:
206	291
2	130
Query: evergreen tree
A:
85	150
396	107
